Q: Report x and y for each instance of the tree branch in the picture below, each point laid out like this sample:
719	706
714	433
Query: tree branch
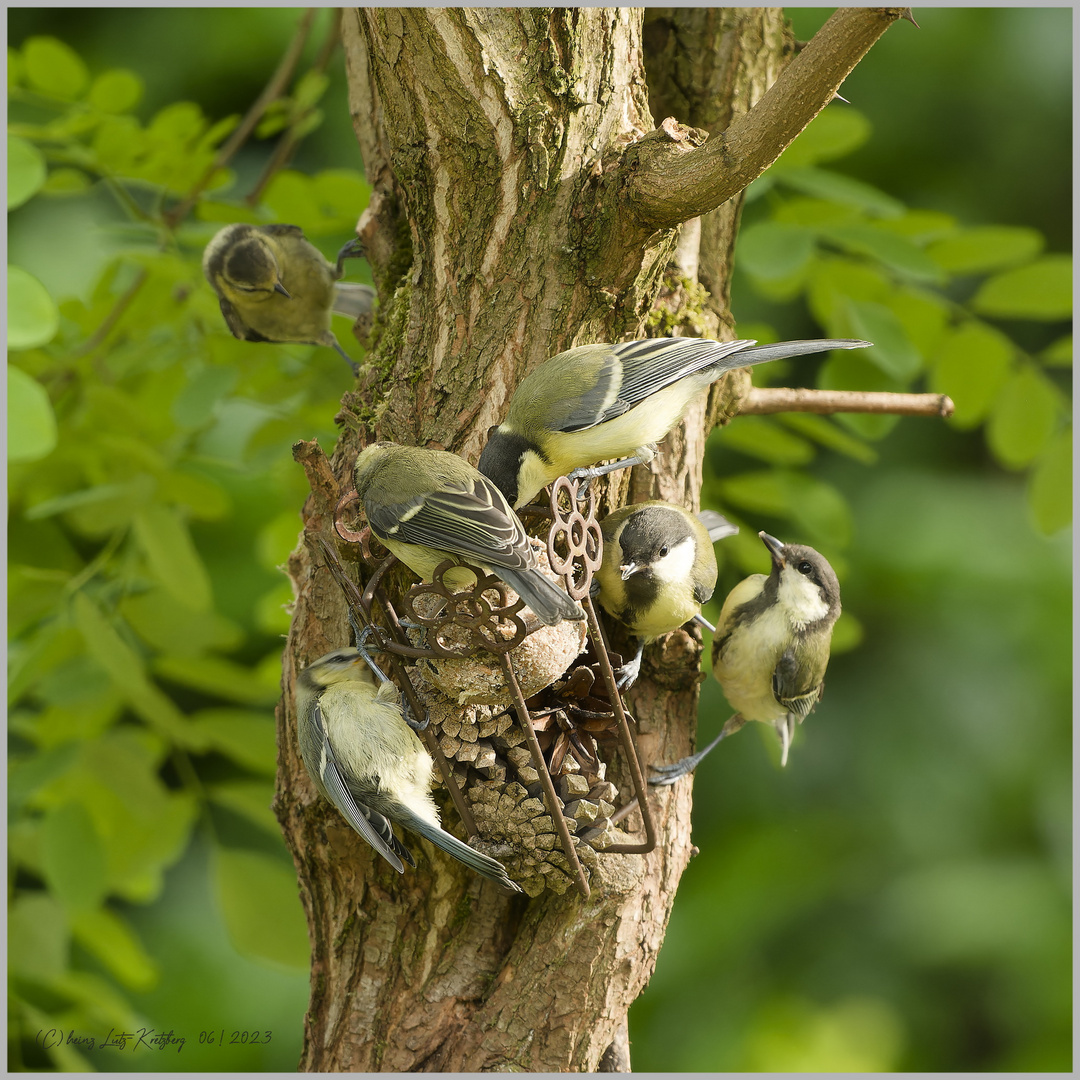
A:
760	400
672	176
271	92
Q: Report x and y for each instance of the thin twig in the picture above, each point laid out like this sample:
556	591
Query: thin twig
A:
113	317
271	92
287	144
779	399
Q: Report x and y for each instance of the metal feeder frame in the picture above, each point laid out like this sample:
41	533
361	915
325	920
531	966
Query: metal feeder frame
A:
485	623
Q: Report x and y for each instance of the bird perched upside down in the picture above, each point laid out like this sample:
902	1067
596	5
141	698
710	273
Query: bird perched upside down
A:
273	285
367	762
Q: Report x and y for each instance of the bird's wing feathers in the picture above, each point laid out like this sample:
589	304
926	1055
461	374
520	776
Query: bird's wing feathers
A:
237	327
716	525
652	364
353	299
370	824
797	687
473	519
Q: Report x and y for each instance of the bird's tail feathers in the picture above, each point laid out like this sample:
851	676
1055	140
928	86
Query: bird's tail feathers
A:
484	865
550	604
760	354
352	299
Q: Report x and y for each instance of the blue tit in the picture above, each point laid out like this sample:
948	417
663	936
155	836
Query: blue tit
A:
772	646
598	402
658	569
369	764
273	285
427	506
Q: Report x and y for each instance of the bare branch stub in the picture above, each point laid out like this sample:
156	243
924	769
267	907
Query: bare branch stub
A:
668	182
765	400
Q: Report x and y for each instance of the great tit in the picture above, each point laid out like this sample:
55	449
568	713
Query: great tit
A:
772	646
428	505
273	285
366	761
598	402
658	569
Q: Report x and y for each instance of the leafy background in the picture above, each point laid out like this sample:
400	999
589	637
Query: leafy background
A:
897	899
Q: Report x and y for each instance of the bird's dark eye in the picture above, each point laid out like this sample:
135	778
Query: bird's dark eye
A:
805	567
663	551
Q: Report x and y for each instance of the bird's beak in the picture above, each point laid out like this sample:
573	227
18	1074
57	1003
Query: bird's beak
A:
785	728
776	548
278	287
629	569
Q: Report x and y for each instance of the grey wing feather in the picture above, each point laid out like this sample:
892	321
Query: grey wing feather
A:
760	354
790	686
652	364
475	860
370	824
353	299
716	525
468	521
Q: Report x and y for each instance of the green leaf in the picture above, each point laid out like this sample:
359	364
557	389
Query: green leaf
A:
251	799
988	247
310	87
1042	290
290	197
772	250
108	937
73	857
1059	354
923	315
1024	418
833	133
895	252
172	627
260	903
921	226
125	668
834	282
33	318
850	370
818	507
164	538
53	68
194	405
823	184
343	194
39	942
64	181
116	91
892	350
248	738
32	431
971	367
25	171
812	212
764	438
223	678
824	431
1050	487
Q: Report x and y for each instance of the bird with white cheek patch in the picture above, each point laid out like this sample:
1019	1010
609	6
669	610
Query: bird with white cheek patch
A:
772	645
658	569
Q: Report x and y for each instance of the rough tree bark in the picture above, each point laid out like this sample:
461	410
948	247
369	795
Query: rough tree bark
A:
525	202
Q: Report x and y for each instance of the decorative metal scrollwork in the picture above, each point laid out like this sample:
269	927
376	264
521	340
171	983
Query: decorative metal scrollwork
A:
575	545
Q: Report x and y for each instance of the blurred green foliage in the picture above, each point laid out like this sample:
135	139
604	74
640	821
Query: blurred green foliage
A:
897	899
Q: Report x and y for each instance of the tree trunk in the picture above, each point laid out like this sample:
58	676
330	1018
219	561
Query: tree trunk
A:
520	207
